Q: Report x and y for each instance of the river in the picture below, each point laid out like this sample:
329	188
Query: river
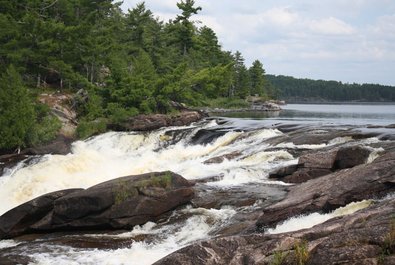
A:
355	114
182	150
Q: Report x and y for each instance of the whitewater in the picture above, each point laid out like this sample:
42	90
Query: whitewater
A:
178	149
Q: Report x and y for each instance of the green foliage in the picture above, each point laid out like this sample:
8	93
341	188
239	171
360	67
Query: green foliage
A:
22	121
301	252
86	129
17	114
116	113
257	78
46	127
389	240
161	181
278	258
299	90
124	64
123	192
226	103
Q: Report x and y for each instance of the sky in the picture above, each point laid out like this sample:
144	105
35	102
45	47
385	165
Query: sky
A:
344	40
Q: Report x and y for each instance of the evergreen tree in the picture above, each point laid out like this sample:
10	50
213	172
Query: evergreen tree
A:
186	28
241	77
17	114
257	78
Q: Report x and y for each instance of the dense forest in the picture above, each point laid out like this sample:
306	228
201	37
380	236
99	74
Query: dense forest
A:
306	90
118	64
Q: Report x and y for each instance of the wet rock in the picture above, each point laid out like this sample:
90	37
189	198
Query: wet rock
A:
204	136
315	164
208	196
61	145
119	203
20	219
208	179
334	190
14	260
305	174
283	172
359	238
322	160
156	121
348	157
312	135
220	159
10	160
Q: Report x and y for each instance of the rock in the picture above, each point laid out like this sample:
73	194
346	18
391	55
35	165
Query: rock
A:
10	160
209	196
305	174
359	238
220	159
351	156
20	219
61	145
315	164
334	190
119	203
155	121
301	134
61	106
321	160
283	171
205	136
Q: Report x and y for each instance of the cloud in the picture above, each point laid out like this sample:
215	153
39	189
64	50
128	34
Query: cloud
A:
279	16
347	40
331	26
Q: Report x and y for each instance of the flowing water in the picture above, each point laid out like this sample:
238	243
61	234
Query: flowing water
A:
180	149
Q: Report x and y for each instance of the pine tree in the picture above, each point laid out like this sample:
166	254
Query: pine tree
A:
257	78
17	114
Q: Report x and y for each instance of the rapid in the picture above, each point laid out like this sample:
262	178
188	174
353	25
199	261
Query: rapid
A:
182	150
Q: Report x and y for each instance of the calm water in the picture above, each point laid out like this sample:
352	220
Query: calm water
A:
325	113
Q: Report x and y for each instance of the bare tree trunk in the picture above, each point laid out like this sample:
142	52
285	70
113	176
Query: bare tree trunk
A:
87	71
38	80
92	72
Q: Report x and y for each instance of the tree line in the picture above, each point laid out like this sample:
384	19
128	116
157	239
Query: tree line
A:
307	90
120	63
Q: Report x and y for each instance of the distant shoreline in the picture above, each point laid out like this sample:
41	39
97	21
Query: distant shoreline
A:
341	103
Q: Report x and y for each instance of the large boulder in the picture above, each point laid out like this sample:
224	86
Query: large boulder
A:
334	190
119	203
365	237
315	164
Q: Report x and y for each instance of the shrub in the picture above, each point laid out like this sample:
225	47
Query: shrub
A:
278	258
301	252
88	128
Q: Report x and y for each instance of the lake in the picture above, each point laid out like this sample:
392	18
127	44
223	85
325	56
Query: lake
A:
352	114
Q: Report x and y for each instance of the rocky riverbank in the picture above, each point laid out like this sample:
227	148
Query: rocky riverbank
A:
345	175
266	106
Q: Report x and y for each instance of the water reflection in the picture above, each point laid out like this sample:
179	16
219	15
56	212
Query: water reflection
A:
324	113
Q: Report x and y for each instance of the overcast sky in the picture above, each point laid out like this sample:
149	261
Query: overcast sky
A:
345	40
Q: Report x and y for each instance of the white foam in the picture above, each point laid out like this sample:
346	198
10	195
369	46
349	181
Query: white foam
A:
117	154
301	146
375	153
170	238
8	243
310	220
